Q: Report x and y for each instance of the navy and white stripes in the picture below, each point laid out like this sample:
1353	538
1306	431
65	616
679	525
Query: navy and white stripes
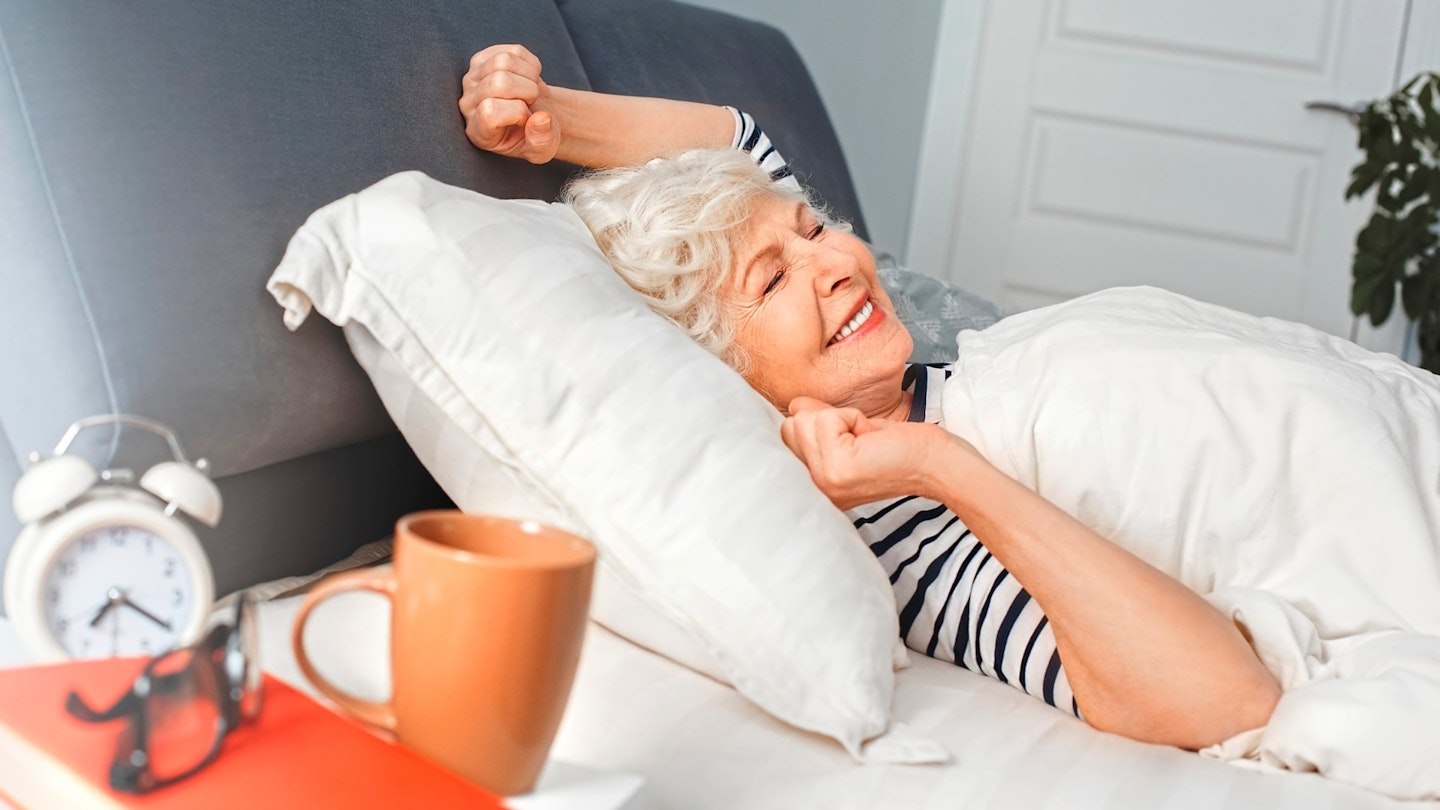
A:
957	603
749	137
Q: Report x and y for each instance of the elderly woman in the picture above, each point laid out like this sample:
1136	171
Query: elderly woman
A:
724	243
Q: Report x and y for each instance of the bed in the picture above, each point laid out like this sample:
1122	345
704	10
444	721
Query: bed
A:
136	254
699	744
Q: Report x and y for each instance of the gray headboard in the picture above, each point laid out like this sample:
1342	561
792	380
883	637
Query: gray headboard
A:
156	157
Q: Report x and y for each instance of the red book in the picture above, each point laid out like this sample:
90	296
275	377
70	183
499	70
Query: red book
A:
297	753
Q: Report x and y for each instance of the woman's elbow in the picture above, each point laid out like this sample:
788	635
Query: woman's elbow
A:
1206	718
1247	708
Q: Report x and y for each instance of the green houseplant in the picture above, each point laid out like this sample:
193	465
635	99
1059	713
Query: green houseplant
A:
1397	248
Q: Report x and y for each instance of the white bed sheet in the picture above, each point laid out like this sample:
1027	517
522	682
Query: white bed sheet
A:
699	744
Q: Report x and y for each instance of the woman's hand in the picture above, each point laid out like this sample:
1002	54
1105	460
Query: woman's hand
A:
856	460
505	105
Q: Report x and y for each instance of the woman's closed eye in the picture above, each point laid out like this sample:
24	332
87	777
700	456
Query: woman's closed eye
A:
774	282
811	235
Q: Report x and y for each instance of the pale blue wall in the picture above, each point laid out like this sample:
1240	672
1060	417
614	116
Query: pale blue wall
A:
871	60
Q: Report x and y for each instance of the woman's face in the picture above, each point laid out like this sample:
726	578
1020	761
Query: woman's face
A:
812	315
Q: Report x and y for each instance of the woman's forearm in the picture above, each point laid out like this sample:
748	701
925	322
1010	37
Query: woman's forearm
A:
600	130
1145	656
510	110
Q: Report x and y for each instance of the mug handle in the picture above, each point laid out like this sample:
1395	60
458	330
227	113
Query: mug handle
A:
381	714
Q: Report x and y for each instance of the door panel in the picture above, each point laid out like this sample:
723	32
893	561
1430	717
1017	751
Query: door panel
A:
1131	177
1294	33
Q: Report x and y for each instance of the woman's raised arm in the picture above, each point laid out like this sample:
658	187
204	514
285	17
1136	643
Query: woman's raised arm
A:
1146	657
510	110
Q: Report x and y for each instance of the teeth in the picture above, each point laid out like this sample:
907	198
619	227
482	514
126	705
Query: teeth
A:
860	317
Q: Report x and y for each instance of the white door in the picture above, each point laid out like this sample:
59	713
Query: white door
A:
1165	142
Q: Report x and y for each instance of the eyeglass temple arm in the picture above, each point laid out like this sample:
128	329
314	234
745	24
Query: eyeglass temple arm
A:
76	705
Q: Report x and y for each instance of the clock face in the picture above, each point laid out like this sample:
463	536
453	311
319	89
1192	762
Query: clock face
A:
117	590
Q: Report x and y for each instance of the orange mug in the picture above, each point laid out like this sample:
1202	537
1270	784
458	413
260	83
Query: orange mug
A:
488	615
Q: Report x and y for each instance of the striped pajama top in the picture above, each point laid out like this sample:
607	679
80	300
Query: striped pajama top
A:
956	602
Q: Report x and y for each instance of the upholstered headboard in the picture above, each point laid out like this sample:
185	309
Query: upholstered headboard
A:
156	157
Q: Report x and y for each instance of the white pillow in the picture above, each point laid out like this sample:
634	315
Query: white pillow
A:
480	482
531	380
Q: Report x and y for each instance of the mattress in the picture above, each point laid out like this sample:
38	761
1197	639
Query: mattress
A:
699	744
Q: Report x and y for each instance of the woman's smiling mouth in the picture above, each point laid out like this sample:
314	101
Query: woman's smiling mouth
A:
854	324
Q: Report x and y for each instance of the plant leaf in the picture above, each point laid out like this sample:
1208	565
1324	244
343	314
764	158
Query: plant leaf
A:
1382	147
1366	265
1382	301
1363	293
1413	233
1363	177
1408	125
1426	284
1412	187
1417	292
1374	238
1385	196
1429	339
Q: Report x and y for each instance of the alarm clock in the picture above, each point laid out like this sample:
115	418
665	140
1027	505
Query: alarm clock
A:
105	565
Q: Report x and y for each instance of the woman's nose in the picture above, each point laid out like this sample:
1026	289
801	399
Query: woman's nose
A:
835	270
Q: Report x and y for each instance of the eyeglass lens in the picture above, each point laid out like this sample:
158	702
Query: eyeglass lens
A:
184	716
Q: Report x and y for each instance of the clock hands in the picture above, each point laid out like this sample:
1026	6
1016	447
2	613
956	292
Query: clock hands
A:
117	598
143	612
113	598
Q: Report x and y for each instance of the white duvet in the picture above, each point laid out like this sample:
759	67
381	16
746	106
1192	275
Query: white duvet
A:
1287	475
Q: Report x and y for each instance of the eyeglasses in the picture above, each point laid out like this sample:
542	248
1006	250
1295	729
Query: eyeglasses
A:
183	704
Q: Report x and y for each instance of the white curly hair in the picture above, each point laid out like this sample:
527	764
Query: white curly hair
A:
670	229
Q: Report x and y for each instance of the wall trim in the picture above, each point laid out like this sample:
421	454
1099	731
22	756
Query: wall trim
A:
1422	39
953	79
